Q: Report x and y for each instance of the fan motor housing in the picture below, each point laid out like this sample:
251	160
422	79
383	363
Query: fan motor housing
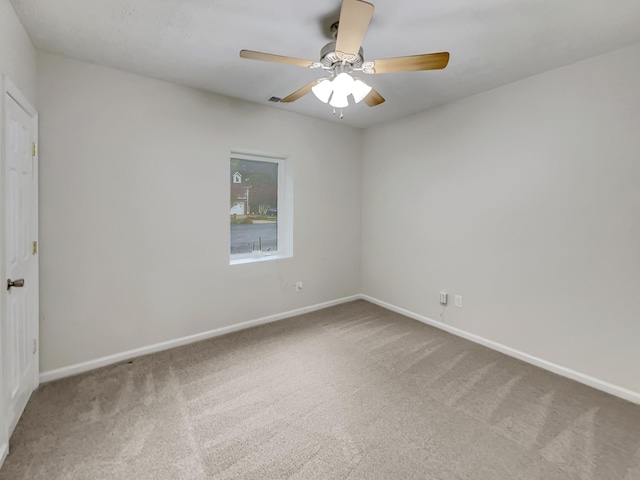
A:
328	56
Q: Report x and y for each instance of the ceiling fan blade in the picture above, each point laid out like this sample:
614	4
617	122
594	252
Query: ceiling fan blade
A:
355	16
373	99
428	61
268	57
299	93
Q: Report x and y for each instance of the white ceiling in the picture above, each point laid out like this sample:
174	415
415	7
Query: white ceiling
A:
197	42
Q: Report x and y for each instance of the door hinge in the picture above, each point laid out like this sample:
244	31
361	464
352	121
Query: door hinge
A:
35	248
34	149
35	346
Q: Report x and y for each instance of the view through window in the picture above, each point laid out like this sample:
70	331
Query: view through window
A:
254	207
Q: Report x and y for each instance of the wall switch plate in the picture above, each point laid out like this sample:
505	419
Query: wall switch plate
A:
443	297
458	301
299	286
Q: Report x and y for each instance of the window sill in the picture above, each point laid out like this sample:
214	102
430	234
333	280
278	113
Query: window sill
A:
264	258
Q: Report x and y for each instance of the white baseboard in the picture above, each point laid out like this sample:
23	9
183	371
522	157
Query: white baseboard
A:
4	451
70	370
610	388
552	367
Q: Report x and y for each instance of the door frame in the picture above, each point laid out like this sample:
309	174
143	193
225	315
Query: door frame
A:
8	88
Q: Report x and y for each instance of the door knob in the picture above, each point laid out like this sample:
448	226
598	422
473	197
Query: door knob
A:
15	283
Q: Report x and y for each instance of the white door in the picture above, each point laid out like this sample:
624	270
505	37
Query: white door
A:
20	329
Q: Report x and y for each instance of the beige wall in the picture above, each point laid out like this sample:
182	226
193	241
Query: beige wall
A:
525	200
17	55
134	205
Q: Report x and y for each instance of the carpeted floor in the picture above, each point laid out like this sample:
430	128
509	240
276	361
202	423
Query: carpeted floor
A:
350	392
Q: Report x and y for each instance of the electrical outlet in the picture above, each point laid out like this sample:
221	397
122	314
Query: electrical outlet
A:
458	301
299	286
443	297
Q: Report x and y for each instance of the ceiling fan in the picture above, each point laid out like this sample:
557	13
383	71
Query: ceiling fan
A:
344	56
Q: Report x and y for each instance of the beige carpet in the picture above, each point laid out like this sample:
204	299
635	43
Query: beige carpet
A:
350	392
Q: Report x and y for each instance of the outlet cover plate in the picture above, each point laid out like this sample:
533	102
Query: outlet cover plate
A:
443	297
458	300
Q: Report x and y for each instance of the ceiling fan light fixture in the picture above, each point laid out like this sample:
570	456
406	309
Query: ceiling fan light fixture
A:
360	90
322	90
342	84
339	100
344	56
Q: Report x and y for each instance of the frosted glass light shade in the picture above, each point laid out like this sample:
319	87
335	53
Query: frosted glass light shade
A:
360	90
322	90
342	85
339	100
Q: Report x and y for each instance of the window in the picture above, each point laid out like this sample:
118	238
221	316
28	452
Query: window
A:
259	214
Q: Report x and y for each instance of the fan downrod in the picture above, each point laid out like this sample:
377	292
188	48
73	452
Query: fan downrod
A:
334	29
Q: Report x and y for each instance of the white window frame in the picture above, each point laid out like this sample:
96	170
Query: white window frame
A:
285	212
